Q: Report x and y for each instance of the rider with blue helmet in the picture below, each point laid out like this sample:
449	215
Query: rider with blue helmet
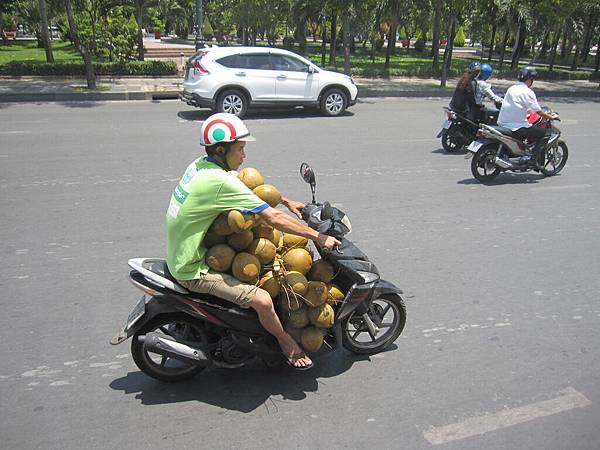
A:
484	88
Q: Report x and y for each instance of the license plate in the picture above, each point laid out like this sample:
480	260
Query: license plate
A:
446	125
137	312
474	146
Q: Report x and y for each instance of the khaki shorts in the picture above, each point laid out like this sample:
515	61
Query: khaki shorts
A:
223	286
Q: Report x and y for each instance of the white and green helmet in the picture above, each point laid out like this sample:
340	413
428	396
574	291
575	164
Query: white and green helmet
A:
224	127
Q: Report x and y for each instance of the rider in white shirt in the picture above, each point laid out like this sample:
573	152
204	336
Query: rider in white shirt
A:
513	115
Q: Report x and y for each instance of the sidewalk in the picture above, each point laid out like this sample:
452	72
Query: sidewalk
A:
50	89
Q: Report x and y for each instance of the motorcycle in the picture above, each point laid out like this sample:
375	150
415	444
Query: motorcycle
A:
176	333
458	131
497	150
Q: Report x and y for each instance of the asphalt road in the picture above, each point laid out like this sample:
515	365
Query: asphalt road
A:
502	285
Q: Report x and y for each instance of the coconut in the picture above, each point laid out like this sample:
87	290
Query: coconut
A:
270	284
293	241
220	226
297	259
321	316
220	257
312	339
334	294
295	333
211	239
316	293
299	318
321	270
239	221
246	267
295	283
251	177
240	241
269	194
263	230
290	301
277	238
263	249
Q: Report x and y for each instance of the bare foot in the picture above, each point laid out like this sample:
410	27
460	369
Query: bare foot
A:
295	355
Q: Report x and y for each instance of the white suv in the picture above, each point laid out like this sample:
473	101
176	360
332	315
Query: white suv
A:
231	79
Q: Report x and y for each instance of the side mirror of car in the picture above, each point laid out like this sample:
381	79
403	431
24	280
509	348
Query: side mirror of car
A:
311	70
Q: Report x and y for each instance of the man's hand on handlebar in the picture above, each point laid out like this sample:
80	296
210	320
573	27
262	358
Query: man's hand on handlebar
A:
293	205
328	242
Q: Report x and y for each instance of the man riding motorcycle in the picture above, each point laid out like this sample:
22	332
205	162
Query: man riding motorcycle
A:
518	100
208	188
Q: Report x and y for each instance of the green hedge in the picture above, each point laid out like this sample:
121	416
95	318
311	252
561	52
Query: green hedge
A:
69	68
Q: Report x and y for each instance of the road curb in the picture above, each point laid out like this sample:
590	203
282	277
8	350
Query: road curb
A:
364	92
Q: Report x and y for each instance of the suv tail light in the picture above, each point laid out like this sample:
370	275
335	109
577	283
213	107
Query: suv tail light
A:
199	69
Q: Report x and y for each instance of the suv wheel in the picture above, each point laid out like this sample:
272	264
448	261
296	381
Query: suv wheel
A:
232	102
333	102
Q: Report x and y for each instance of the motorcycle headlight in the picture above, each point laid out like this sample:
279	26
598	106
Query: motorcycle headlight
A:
368	277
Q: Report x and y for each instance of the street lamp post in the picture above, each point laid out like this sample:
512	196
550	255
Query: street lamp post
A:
199	41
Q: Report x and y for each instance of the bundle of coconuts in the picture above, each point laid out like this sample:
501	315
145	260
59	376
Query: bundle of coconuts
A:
282	264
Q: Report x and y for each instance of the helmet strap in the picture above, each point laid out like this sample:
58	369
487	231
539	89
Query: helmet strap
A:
220	157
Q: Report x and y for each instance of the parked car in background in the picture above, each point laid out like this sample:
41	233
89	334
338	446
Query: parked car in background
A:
233	79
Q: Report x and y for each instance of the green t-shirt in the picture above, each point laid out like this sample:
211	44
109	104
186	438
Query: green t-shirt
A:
204	192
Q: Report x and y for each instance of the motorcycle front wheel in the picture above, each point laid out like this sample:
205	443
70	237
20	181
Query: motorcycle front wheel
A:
449	142
173	327
483	166
388	313
555	158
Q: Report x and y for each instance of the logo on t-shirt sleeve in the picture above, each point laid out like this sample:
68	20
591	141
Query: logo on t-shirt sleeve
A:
180	194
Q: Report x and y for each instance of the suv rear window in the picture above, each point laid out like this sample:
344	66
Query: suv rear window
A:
247	61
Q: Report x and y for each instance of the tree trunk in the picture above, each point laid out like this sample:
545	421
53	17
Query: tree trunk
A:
323	43
448	51
435	44
503	49
589	34
346	38
492	40
597	65
554	47
139	17
544	40
544	47
391	47
333	43
519	44
44	31
87	59
563	50
301	32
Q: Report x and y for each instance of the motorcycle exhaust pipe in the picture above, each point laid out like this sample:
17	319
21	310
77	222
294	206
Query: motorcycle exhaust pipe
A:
503	163
156	344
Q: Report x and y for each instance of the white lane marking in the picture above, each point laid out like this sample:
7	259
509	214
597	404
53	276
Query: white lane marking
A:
13	132
565	400
556	188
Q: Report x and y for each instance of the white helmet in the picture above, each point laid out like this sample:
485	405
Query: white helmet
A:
224	127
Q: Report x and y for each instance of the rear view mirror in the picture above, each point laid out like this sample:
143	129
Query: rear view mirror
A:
307	173
309	176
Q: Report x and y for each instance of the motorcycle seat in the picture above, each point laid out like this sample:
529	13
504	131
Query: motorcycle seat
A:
505	131
160	268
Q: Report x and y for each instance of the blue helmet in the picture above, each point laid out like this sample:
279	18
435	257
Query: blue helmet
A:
486	71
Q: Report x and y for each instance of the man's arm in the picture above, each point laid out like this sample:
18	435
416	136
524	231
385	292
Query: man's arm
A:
283	222
487	90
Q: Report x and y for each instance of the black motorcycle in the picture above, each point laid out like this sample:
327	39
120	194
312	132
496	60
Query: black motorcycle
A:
458	131
176	333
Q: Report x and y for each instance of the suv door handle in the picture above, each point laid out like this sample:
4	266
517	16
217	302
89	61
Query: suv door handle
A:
281	77
241	74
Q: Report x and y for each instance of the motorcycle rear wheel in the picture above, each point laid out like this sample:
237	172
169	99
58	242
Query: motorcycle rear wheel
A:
388	313
163	368
449	142
556	156
483	166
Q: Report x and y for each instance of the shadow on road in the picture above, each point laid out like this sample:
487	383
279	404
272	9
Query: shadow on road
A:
288	113
507	178
441	151
242	389
80	104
